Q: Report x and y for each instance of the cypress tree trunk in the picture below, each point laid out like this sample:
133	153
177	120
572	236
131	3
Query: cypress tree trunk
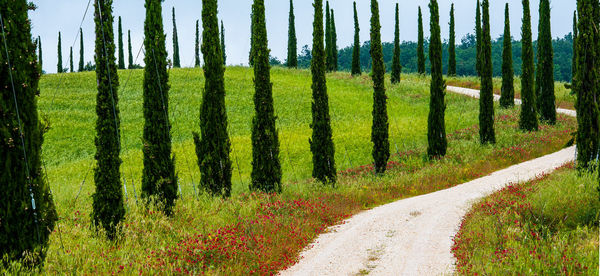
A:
575	54
59	65
176	60
380	128
197	45
108	210
356	70
292	59
130	65
328	52
585	83
436	128
334	48
71	59
212	144
81	52
420	46
507	97
545	86
40	57
266	169
396	67
222	42
487	134
121	51
158	178
452	45
26	227
321	143
528	120
478	38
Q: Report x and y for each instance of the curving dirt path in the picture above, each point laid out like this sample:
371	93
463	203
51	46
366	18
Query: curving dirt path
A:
412	236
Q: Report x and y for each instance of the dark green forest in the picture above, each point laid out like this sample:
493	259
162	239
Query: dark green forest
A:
465	56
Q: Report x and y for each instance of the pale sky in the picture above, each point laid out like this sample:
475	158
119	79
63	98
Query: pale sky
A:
53	16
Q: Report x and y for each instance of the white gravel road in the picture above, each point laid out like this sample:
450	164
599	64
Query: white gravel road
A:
412	236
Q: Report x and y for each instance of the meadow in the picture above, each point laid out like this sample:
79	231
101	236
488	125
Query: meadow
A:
256	233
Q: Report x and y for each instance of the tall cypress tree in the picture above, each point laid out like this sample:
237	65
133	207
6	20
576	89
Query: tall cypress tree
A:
356	70
380	128
575	54
26	224
436	127
396	67
292	59
585	84
328	53
108	210
452	45
81	52
121	51
197	45
223	42
59	65
546	99
334	48
176	60
321	143
487	134
251	54
266	169
130	65
212	144
40	57
528	120
158	179
420	46
507	97
71	59
478	38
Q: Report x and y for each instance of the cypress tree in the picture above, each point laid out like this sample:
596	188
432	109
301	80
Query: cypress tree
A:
266	169
487	134
396	67
59	65
26	225
176	60
380	128
212	144
121	51
452	45
478	38
71	59
81	59
585	85
528	120
546	99
436	127
158	178
334	48
223	42
197	46
130	65
328	52
420	46
575	54
356	70
292	59
321	143
108	210
507	97
41	60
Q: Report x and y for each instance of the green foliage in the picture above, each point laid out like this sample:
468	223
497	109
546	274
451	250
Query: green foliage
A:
334	47
529	120
197	45
487	134
223	52
26	225
436	127
478	39
121	50
292	58
586	84
356	70
71	59
507	97
266	169
159	180
452	45
380	128
544	86
328	42
81	52
59	65
130	50
396	67
321	143
420	46
108	210
176	59
40	57
574	62
212	144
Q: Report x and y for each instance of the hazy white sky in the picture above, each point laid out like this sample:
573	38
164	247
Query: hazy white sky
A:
53	16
